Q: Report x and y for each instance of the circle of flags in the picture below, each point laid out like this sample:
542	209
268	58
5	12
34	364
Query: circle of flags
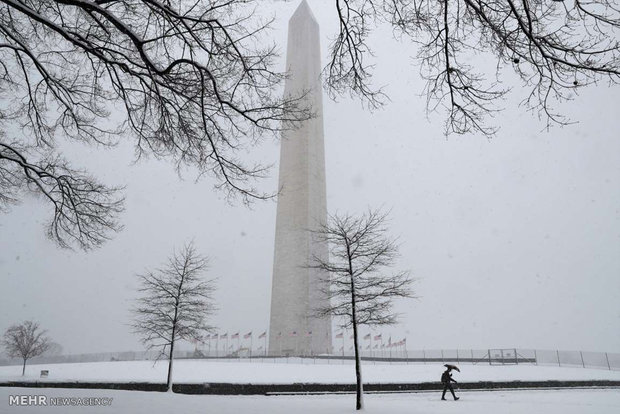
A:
222	344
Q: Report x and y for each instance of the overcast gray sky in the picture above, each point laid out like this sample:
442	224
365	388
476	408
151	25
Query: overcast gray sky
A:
515	241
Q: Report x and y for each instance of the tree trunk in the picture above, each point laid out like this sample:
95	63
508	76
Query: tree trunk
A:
359	404
173	337
24	368
170	360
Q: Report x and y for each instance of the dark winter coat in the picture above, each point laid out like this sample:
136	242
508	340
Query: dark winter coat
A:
446	377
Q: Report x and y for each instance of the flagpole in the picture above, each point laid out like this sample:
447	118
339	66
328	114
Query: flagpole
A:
327	350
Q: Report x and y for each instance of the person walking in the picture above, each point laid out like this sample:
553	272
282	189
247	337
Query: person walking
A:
446	379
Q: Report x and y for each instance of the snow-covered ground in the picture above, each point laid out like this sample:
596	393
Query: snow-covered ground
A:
487	402
256	372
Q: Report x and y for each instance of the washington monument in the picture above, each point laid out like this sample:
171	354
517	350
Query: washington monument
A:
296	289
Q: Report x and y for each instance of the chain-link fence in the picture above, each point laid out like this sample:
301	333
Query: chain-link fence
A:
583	359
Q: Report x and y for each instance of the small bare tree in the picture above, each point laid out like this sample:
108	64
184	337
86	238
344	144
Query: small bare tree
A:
359	289
176	303
25	341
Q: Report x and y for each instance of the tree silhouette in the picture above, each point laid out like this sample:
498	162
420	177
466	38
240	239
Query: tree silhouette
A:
175	304
556	47
188	81
359	289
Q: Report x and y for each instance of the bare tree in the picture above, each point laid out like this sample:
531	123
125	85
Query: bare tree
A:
554	46
175	304
189	80
359	289
25	341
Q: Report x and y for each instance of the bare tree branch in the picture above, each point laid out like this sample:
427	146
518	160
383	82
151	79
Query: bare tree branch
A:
192	81
84	210
555	47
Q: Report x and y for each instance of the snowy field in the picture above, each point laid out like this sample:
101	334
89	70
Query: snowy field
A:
486	402
256	372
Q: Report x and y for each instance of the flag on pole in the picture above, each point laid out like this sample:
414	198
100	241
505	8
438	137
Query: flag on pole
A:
340	335
261	336
378	337
247	335
367	336
235	336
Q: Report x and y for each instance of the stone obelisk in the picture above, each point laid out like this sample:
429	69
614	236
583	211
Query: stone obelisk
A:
296	289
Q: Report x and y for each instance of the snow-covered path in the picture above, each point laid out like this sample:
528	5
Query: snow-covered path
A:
197	371
487	402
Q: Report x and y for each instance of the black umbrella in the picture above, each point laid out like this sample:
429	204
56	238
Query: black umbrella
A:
454	367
